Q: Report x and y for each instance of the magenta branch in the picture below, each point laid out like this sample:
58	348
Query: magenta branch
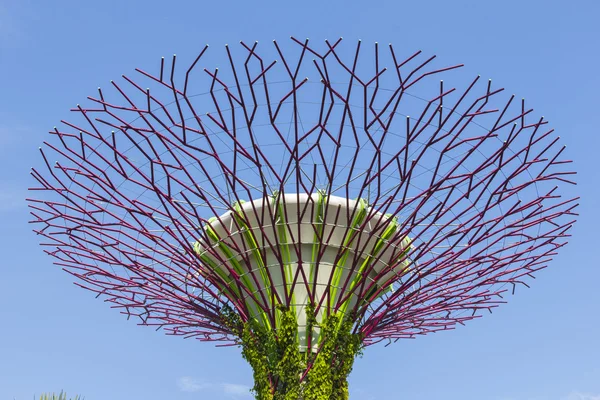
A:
325	180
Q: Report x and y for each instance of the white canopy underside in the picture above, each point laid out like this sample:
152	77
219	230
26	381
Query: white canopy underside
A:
349	236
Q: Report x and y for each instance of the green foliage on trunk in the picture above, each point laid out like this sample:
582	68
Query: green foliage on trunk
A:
328	377
282	372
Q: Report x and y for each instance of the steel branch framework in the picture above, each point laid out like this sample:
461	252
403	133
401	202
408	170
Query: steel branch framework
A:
141	176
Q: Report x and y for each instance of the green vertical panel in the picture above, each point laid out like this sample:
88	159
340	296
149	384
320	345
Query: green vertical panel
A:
256	254
319	222
284	246
230	256
381	241
359	216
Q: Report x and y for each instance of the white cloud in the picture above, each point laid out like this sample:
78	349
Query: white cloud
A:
582	396
11	199
15	18
575	395
189	384
12	134
232	390
235	389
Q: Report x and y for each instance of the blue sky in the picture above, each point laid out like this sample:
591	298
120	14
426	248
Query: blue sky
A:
543	345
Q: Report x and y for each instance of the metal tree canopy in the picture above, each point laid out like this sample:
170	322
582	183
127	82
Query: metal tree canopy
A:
326	247
314	197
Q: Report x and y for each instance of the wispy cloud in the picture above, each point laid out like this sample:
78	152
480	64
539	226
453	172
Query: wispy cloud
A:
574	395
582	396
189	384
15	18
235	389
232	390
11	199
15	132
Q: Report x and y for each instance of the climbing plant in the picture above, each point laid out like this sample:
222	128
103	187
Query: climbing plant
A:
281	371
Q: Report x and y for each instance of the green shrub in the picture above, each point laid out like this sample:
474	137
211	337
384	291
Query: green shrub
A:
61	396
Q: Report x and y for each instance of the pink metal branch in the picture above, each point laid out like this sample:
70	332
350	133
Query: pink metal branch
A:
137	178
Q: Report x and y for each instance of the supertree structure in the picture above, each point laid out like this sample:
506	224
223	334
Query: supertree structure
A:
302	202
